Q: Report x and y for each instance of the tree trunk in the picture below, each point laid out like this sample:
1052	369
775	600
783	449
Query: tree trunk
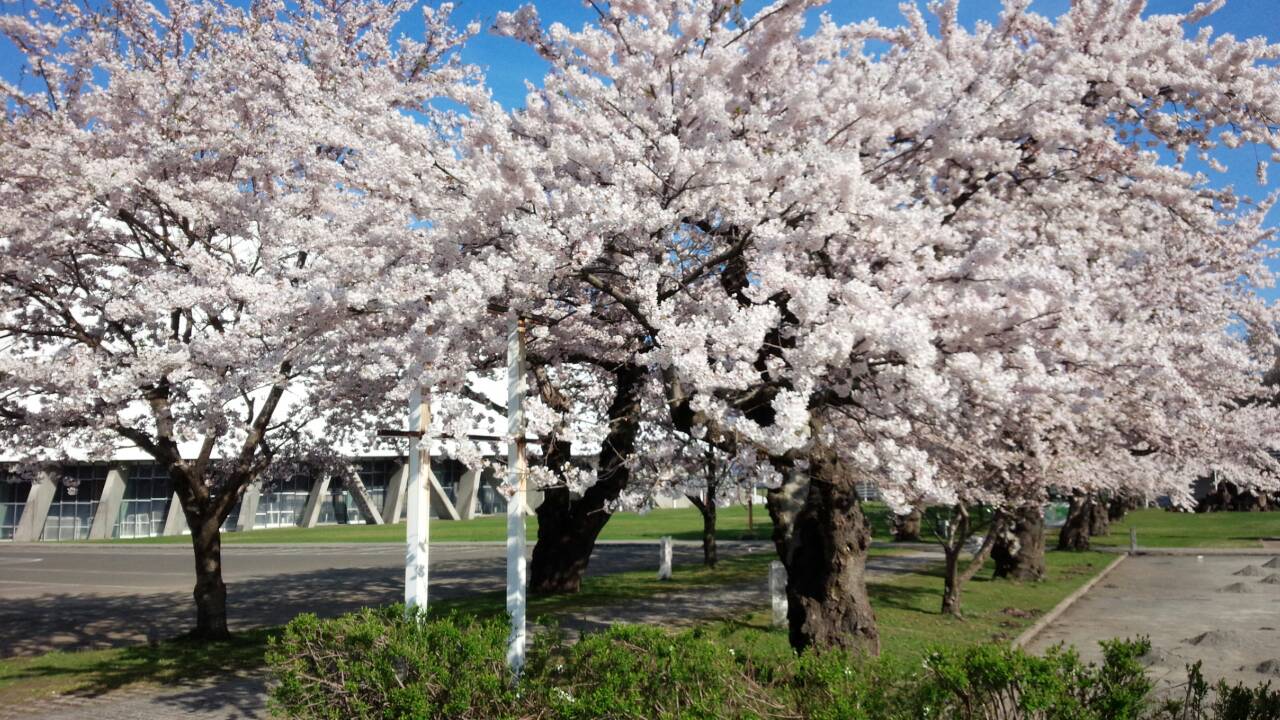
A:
1019	545
707	508
824	550
953	579
210	592
906	528
1099	518
568	528
1075	531
708	511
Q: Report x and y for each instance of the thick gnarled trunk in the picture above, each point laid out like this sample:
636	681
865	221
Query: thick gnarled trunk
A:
1099	517
1075	531
824	548
906	528
1019	545
568	527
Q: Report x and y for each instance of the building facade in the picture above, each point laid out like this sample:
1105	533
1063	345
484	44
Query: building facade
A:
133	499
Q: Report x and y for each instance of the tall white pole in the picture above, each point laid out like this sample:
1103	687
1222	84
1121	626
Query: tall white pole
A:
517	478
418	510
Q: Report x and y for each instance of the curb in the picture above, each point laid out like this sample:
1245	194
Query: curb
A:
1030	633
1190	552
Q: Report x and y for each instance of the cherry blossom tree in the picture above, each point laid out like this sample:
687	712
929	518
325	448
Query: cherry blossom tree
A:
878	253
203	219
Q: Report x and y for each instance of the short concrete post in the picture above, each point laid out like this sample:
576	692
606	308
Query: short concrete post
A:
778	592
664	558
1133	540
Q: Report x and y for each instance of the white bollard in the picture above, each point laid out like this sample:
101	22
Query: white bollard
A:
1133	540
778	592
664	558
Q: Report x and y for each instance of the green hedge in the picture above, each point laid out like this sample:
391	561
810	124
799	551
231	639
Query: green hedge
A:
378	664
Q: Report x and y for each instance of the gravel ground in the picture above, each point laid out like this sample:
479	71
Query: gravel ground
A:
1222	610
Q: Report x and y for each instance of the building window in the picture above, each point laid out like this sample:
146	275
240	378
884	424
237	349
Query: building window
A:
282	506
74	502
448	472
13	497
147	492
341	508
490	500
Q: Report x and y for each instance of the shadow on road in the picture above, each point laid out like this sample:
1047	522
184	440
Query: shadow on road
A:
63	621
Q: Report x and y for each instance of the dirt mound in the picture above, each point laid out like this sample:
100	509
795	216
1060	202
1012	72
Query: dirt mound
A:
1216	639
1272	579
1250	571
1273	563
1154	656
1269	667
1236	588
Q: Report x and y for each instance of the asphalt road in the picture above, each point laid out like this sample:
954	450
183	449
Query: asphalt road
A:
64	596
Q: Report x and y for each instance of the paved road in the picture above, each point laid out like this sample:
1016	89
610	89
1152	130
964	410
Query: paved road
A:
82	596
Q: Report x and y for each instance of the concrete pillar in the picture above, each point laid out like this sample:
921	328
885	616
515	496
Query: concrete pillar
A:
34	513
468	494
393	503
360	496
104	518
175	521
315	501
248	508
440	503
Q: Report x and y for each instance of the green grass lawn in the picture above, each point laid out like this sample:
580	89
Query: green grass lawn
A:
679	523
908	608
1161	529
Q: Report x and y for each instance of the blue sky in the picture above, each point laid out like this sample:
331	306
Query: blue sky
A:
509	65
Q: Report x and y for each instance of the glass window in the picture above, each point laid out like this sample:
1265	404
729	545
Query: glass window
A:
490	501
147	492
448	473
282	505
13	497
340	508
74	502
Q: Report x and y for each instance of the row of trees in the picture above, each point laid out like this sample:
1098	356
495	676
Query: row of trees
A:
967	265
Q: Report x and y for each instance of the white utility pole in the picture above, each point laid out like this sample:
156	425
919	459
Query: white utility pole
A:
517	479
418	511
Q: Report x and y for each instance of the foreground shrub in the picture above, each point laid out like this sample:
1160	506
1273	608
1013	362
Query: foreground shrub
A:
380	664
1227	702
377	664
993	681
645	672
